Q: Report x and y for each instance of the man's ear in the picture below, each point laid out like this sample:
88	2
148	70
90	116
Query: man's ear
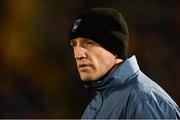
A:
118	60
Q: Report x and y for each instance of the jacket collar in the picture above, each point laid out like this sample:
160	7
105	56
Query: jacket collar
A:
117	78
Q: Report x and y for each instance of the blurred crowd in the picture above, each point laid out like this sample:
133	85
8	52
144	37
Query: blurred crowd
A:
38	78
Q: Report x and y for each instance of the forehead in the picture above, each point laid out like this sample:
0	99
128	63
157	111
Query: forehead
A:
81	39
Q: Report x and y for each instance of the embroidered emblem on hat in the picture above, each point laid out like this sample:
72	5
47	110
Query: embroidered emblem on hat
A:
76	24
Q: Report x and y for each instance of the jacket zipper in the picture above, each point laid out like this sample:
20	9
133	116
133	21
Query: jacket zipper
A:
102	100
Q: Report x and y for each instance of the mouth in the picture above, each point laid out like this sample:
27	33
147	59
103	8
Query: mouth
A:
83	67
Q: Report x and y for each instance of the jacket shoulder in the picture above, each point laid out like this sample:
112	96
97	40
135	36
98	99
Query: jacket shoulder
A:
151	101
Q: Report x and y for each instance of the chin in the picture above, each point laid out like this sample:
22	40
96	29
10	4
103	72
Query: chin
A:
86	78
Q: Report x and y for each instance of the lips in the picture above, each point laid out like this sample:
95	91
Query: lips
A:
84	66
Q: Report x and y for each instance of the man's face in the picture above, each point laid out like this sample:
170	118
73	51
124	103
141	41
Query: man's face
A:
93	61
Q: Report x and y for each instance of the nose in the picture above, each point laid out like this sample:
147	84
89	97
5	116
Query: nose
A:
79	52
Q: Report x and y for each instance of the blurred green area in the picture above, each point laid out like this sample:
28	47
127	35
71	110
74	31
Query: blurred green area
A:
38	78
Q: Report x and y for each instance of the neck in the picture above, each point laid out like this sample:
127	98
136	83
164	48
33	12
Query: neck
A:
104	76
110	71
90	84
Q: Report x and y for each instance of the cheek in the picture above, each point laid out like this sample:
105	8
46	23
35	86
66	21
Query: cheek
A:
103	62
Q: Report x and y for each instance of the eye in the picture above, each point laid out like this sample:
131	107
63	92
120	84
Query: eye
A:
73	43
90	42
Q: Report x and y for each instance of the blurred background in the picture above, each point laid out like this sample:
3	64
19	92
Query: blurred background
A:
38	78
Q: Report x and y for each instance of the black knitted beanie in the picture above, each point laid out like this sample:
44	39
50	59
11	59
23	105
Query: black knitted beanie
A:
106	26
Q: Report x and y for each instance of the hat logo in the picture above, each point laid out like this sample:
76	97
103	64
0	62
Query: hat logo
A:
76	24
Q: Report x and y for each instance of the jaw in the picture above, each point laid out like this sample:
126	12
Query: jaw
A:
88	75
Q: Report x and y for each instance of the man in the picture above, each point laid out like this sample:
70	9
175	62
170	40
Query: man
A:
99	38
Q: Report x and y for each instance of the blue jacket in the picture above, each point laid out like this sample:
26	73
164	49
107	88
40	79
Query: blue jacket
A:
128	93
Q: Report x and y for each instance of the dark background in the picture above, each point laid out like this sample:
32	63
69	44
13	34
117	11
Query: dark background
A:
38	78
